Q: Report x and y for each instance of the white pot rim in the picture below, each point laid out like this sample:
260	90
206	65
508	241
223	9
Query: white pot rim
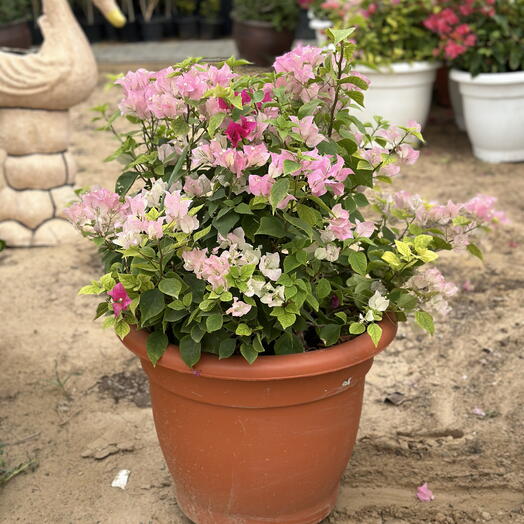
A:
400	68
464	77
317	23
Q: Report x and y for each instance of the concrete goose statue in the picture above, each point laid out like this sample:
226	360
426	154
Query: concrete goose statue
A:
36	92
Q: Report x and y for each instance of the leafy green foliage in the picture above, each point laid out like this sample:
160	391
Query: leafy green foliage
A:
281	14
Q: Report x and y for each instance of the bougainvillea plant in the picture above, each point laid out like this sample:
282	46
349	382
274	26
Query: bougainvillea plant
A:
480	36
258	223
387	31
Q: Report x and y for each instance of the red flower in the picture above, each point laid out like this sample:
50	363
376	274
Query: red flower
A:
236	132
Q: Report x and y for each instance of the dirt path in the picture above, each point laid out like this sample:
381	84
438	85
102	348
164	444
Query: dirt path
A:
53	357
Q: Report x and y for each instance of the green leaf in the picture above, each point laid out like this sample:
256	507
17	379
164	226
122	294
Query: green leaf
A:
475	251
425	321
279	191
214	322
290	166
329	334
392	260
125	181
358	261
170	286
201	234
309	215
215	122
122	328
156	345
243	209
272	227
286	319
108	282
323	288
101	309
197	333
190	351
91	289
151	304
248	352
180	127
178	166
226	223
337	35
357	328
226	348
375	332
243	330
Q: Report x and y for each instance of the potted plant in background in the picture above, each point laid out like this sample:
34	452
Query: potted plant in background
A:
484	44
396	55
260	268
186	18
264	30
14	27
152	27
130	32
92	23
320	18
211	23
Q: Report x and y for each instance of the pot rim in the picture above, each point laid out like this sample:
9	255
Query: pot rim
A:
400	68
255	23
465	77
272	367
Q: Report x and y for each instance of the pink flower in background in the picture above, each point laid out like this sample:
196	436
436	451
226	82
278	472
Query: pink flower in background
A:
407	154
121	300
453	49
191	84
308	130
177	212
194	261
239	308
238	131
256	156
364	229
197	186
260	185
340	225
413	124
154	228
424	494
216	269
276	168
482	207
373	155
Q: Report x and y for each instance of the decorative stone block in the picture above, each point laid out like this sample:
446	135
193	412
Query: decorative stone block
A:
28	131
15	234
71	167
55	232
30	207
62	197
36	171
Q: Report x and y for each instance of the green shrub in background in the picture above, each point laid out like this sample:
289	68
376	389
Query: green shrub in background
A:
281	14
15	11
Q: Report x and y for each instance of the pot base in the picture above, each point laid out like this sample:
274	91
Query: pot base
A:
312	515
496	157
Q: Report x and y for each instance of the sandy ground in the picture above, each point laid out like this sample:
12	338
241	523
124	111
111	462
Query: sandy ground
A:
53	358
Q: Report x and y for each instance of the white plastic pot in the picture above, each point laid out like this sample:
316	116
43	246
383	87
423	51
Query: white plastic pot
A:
494	114
400	92
456	104
320	27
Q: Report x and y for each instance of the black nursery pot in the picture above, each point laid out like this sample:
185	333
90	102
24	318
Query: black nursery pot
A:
211	29
94	32
130	32
36	34
153	30
111	33
187	27
17	35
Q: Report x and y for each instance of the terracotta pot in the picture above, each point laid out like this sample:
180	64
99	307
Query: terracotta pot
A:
259	43
17	35
266	443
